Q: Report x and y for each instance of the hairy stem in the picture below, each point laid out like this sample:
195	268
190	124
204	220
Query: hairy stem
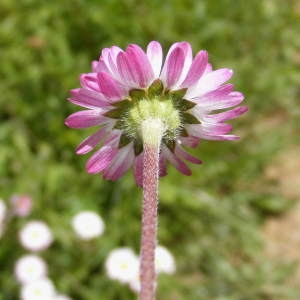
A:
152	131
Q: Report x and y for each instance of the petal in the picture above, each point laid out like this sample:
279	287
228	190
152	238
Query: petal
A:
88	99
175	161
125	70
110	87
227	115
188	58
89	81
190	141
212	101
208	69
162	166
122	162
209	82
140	65
180	152
85	118
101	159
109	58
138	169
196	70
210	131
173	67
91	142
155	55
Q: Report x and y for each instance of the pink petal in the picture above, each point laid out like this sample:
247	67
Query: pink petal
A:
208	69
85	118
227	115
155	55
180	152
140	66
162	166
209	82
190	141
211	131
175	161
109	57
91	142
121	163
173	67
138	169
101	159
89	81
188	58
197	69
100	66
87	98
213	101
110	87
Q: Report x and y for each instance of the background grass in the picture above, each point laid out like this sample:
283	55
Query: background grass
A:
210	221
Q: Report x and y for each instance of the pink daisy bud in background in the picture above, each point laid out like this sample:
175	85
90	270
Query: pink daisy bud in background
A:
125	88
36	236
30	268
22	205
88	225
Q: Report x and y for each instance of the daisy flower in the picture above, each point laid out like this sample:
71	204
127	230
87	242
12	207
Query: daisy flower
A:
36	236
88	225
30	268
122	265
183	95
164	261
2	210
42	289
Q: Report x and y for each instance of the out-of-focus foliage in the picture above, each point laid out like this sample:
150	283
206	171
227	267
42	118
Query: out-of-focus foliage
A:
211	220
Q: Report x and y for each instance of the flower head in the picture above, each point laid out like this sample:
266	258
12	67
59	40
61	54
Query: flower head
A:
164	261
122	265
42	289
2	210
36	236
30	268
126	88
88	225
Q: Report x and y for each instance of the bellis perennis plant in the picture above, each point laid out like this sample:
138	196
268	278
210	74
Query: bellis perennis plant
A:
146	111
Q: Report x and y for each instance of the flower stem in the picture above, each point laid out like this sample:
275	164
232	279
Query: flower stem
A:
152	131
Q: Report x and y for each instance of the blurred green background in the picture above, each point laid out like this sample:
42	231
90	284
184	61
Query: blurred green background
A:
214	222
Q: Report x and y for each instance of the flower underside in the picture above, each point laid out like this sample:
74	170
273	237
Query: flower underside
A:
156	102
128	87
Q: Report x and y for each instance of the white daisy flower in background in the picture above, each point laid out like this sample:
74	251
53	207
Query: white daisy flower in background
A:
164	261
30	268
135	284
36	236
42	289
2	215
88	225
2	210
122	265
61	297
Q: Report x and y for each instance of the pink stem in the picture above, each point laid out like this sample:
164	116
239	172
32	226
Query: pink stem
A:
149	221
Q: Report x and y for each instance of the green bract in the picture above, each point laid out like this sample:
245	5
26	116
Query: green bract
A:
152	103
